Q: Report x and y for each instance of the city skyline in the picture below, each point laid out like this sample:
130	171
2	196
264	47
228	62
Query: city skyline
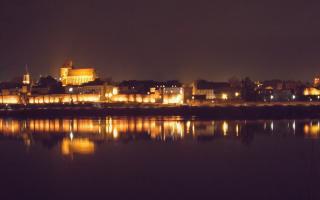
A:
56	74
159	99
182	40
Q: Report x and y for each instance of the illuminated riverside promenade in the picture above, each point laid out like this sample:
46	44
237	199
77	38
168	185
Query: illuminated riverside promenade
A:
81	135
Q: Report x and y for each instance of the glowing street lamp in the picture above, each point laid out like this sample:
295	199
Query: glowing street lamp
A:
271	97
224	96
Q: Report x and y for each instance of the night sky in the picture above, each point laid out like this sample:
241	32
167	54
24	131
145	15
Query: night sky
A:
159	40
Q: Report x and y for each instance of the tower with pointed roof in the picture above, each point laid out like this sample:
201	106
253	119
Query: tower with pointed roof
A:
26	77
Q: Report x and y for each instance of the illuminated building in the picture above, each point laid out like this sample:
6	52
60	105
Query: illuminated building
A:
316	81
134	98
187	93
69	75
99	87
164	96
202	90
9	99
110	91
279	90
171	95
11	92
209	91
170	92
311	91
63	98
26	78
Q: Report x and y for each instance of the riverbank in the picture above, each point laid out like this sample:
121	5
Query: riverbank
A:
220	111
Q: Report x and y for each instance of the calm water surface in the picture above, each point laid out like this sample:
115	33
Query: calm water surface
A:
159	158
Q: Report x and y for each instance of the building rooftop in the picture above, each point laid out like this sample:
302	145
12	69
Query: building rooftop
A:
203	84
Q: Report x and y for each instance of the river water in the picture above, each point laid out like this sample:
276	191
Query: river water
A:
159	158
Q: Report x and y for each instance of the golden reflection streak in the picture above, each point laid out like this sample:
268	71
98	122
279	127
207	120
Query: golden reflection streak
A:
225	128
79	146
312	130
117	128
237	130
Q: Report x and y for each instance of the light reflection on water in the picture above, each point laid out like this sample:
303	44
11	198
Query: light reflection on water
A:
80	135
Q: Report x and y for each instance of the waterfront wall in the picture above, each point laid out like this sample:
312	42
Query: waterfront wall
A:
10	99
63	98
93	98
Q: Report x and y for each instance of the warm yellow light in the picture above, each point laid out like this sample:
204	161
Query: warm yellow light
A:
76	76
139	99
237	94
109	95
115	91
26	79
115	133
225	128
14	99
188	126
311	91
81	146
173	99
224	96
153	90
311	130
237	130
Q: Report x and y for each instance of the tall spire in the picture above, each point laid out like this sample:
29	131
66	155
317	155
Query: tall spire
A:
26	76
27	71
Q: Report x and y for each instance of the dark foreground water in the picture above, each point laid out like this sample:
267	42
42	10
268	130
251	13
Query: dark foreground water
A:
159	158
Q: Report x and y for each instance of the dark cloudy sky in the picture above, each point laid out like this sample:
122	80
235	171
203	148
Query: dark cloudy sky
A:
168	39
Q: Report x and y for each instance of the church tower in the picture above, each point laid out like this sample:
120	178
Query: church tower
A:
26	77
70	75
